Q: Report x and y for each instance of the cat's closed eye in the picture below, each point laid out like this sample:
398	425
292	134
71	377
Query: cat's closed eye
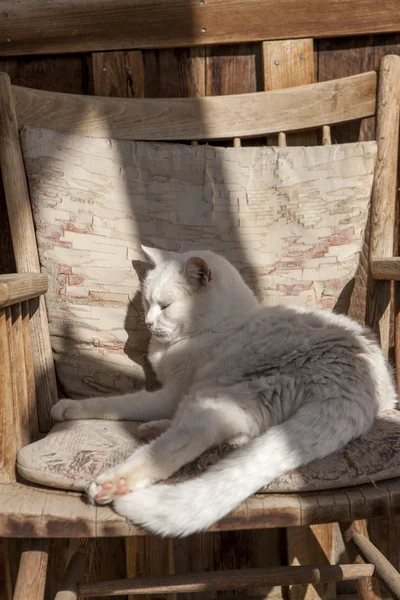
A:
164	306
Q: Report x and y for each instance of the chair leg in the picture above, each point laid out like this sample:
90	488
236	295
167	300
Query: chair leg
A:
31	578
356	540
74	572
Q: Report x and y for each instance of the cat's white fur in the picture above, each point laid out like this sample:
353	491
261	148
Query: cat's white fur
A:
289	385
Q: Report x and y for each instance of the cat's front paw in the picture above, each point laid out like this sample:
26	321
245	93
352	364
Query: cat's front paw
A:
68	410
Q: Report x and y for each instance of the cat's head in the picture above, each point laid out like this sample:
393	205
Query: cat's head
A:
187	293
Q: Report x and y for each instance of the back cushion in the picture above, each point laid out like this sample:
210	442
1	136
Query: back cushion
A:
292	220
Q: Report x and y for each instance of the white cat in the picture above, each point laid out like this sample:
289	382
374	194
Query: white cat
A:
293	385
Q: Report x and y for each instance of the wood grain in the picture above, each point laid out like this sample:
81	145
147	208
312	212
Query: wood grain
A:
384	193
228	580
24	243
49	26
16	288
45	512
31	579
118	74
174	73
222	117
368	588
386	269
231	70
68	588
289	63
8	429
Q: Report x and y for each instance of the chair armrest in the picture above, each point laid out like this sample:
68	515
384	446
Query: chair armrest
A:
19	287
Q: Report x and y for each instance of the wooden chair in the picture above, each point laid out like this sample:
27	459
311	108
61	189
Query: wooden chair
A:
28	385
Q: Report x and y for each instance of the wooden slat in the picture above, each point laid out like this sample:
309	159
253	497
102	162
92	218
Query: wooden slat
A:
231	70
8	430
223	117
24	244
177	73
31	579
384	193
29	374
49	26
287	64
387	269
22	286
118	74
227	580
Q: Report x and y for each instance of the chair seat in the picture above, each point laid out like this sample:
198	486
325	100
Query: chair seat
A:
31	511
74	452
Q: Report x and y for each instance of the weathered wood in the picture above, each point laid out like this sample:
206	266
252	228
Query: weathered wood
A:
29	374
47	27
222	117
68	589
384	193
367	589
44	512
22	286
326	135
231	70
24	243
287	64
118	74
355	535
387	269
5	571
227	580
149	556
18	371
8	433
177	73
31	579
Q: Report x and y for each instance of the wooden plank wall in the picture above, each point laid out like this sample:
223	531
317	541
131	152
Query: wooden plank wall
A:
212	70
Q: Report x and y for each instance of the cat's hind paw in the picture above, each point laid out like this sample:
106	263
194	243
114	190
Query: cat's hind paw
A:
104	493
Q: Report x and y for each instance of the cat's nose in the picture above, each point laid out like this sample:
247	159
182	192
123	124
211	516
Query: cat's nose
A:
148	323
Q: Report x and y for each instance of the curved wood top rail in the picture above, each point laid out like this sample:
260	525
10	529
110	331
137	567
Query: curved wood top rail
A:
220	117
54	26
16	288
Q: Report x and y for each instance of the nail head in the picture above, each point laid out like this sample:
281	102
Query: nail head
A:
301	56
203	30
8	40
5	15
276	62
202	3
104	69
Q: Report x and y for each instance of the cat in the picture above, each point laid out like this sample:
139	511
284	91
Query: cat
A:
285	385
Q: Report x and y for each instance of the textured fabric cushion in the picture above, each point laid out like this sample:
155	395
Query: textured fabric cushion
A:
74	452
291	219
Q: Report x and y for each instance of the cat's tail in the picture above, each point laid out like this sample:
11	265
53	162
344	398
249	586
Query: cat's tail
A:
192	506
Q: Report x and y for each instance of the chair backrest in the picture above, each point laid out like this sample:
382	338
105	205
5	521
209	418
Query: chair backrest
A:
206	119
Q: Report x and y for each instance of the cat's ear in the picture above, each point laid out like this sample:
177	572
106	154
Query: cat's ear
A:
197	271
155	255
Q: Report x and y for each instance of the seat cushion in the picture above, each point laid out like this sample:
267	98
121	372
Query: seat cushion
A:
74	452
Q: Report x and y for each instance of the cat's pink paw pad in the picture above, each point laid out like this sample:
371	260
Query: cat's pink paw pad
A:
104	493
